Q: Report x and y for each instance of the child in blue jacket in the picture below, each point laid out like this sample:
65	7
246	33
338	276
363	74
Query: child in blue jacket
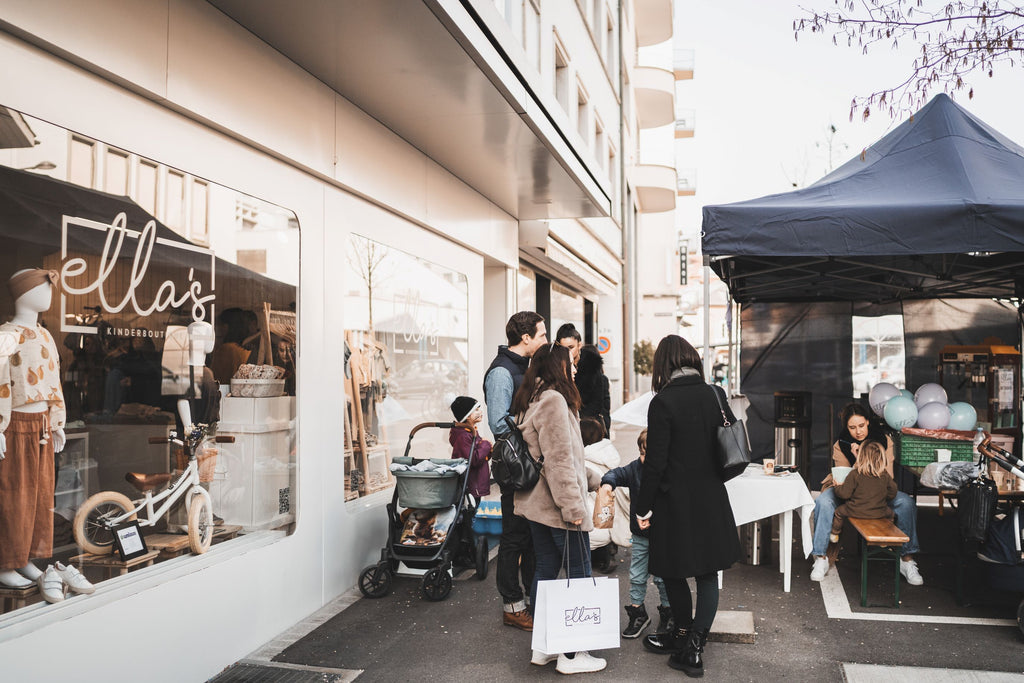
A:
629	476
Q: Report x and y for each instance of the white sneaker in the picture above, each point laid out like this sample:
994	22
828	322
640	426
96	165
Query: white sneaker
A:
540	659
582	663
51	585
74	579
12	579
819	568
909	570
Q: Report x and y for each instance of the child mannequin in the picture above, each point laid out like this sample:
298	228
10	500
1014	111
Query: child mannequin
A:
32	421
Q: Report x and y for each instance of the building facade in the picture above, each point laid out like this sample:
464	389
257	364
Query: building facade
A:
354	196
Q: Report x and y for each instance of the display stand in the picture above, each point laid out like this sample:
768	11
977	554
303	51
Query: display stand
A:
112	564
175	545
16	598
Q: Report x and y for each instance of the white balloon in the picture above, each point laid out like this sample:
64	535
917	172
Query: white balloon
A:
962	416
933	415
929	393
880	395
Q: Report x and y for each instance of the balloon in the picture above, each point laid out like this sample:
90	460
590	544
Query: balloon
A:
880	395
962	416
906	392
928	393
900	412
933	415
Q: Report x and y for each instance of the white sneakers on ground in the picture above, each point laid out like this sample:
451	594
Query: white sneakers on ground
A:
582	663
51	585
910	572
540	659
819	569
74	579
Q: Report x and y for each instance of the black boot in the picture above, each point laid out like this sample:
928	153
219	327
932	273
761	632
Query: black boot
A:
691	660
666	643
666	620
638	621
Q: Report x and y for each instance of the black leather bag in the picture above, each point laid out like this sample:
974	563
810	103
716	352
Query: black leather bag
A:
733	450
977	505
512	466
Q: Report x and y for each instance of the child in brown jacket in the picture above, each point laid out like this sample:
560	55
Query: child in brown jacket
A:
867	489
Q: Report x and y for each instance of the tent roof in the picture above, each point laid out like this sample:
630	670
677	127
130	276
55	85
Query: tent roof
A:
935	209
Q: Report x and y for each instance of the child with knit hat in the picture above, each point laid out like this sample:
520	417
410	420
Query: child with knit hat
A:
467	444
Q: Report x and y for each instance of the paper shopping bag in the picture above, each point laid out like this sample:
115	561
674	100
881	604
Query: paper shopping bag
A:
604	509
576	614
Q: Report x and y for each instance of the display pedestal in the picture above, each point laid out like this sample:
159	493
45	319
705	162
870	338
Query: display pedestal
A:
15	598
112	564
174	545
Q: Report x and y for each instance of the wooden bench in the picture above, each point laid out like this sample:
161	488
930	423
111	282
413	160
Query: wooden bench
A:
880	540
15	598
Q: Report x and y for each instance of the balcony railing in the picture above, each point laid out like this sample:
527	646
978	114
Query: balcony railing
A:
686	183
685	122
682	64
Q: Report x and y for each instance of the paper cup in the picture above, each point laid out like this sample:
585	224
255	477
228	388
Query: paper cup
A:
943	454
769	466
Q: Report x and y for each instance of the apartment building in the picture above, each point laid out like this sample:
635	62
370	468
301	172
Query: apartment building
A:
355	195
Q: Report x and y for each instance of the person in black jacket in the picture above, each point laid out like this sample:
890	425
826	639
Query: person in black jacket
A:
682	499
636	613
593	386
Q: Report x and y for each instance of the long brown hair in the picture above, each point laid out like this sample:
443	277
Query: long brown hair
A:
870	459
673	353
549	369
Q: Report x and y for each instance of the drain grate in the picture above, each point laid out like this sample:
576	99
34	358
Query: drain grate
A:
247	672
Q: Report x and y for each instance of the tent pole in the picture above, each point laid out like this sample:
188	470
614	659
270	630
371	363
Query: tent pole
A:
708	360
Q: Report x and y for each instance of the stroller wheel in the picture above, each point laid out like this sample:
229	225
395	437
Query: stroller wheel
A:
481	558
375	581
437	584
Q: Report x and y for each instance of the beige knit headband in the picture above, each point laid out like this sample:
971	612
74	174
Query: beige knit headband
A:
30	279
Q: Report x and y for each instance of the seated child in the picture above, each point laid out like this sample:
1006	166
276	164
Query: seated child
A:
467	444
599	456
867	489
629	476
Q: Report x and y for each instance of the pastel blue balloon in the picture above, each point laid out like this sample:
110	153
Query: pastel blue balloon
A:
900	412
933	415
962	416
928	393
906	392
880	395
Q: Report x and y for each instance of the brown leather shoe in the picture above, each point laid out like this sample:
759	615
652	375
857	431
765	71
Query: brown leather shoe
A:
521	620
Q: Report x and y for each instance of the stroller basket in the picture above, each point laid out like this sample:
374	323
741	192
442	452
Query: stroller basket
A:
427	489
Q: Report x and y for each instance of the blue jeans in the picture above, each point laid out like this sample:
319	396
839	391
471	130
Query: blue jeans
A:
638	573
825	507
549	552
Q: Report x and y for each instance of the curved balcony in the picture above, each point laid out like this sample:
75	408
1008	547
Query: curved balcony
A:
655	96
686	183
653	21
682	64
686	122
655	187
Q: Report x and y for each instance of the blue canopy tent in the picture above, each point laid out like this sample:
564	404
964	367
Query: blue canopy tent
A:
927	222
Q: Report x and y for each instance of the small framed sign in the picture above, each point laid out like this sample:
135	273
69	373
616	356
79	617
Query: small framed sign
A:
129	541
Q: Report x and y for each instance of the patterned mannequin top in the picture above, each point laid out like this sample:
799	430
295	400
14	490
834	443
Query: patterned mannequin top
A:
31	375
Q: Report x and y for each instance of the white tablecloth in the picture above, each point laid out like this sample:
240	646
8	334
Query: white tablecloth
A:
755	495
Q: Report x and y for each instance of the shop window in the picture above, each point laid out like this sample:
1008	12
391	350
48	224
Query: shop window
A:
878	352
406	357
566	307
527	289
141	321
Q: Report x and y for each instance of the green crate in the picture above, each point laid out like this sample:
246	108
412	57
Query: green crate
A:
918	451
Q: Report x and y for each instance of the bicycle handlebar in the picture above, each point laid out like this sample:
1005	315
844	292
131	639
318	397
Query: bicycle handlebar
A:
166	439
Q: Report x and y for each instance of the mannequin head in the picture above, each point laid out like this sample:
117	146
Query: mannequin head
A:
201	339
32	289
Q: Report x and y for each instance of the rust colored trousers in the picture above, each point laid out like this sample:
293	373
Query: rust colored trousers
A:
26	491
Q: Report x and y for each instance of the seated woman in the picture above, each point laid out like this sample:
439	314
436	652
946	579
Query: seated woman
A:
857	428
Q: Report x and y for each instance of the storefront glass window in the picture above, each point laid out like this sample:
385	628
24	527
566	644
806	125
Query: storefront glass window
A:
140	329
527	285
406	351
566	307
878	352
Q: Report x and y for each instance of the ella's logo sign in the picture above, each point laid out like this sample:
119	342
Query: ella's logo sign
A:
136	273
582	616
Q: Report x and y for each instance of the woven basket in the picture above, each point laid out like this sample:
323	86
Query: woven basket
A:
207	458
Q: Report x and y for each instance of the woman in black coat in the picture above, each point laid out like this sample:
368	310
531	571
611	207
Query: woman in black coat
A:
683	500
593	386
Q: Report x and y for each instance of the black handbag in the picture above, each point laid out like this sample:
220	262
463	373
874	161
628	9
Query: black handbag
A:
977	505
512	466
731	443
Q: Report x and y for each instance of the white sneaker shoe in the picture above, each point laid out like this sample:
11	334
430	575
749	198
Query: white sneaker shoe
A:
582	663
540	659
819	569
910	573
51	585
74	579
12	579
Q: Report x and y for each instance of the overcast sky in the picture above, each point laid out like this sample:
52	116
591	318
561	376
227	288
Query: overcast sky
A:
763	100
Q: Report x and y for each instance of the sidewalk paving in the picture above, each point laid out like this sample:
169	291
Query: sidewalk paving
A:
402	636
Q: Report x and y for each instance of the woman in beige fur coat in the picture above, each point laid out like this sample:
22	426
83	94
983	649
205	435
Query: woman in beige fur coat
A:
556	507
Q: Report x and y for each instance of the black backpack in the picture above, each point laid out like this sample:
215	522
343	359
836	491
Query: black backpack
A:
512	466
977	505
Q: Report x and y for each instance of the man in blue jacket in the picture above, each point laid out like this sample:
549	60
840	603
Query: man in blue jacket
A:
525	333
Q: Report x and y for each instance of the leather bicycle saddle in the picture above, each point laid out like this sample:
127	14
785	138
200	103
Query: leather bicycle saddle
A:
147	482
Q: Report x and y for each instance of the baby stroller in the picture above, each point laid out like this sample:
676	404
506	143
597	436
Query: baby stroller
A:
430	520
